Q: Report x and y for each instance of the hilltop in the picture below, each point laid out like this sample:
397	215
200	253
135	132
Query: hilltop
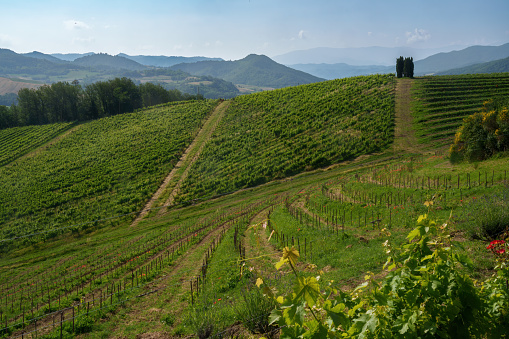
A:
256	70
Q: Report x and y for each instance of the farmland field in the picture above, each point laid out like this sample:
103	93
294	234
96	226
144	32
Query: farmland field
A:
105	168
443	101
190	271
272	135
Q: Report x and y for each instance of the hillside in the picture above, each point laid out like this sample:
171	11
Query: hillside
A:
106	62
13	86
13	64
497	66
305	173
442	102
332	118
341	70
165	61
457	59
256	70
90	68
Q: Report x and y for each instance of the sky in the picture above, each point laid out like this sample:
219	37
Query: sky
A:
232	29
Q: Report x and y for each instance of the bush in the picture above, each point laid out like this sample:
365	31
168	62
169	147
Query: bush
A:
482	134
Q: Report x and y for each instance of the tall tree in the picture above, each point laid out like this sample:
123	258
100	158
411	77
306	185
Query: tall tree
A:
408	67
399	67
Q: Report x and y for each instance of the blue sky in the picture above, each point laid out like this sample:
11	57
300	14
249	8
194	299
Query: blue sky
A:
232	29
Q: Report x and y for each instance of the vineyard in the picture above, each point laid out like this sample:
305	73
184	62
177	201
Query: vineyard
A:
72	265
443	101
269	135
15	142
105	168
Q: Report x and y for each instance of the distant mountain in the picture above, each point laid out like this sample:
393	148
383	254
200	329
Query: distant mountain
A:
70	56
497	66
360	56
254	70
165	61
456	59
341	70
105	61
12	63
39	55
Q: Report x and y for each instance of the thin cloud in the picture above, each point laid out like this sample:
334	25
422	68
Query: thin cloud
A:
75	24
417	35
300	36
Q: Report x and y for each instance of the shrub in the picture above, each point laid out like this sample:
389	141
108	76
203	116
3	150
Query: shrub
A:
482	134
254	311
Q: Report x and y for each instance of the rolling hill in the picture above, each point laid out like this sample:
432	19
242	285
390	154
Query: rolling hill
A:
87	69
456	59
305	172
165	61
255	70
108	62
341	70
497	66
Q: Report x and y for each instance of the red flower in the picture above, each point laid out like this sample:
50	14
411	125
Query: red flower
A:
496	242
501	251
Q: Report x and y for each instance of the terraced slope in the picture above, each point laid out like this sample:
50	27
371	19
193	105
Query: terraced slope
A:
441	103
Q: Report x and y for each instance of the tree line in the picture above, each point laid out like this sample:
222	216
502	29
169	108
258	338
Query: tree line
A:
64	102
405	67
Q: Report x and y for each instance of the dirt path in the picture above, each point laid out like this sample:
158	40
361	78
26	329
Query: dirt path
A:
197	146
171	289
185	162
404	135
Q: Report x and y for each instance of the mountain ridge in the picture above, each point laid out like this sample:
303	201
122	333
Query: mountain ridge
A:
254	69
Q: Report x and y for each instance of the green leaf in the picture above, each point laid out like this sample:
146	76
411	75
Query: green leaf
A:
294	314
280	263
416	232
290	254
307	289
411	296
336	314
380	297
275	316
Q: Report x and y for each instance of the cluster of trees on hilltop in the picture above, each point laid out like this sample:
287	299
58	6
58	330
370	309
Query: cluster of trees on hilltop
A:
405	67
63	101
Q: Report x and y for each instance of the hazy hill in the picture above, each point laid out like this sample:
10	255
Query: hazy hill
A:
165	61
497	66
255	70
14	63
70	56
341	70
457	59
42	56
359	56
106	61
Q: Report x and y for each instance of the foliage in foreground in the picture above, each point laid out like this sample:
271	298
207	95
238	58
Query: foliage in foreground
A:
482	134
424	295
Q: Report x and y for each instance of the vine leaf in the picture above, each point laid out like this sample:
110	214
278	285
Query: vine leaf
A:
307	289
